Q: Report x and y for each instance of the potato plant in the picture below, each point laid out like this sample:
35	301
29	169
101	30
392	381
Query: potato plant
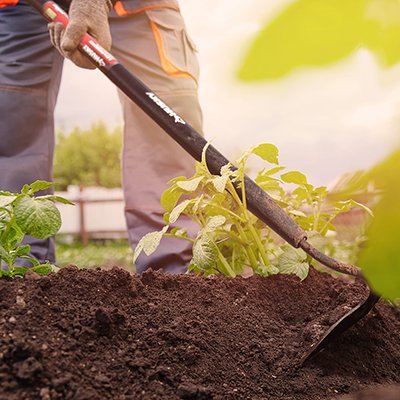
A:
24	214
230	238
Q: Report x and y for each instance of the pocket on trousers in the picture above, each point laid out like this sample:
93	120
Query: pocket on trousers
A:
176	49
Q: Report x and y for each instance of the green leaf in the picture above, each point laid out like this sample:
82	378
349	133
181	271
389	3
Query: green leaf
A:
178	210
294	177
264	177
170	197
39	218
293	262
15	236
265	270
344	206
149	243
205	253
191	185
25	189
320	192
309	32
220	182
300	192
272	171
56	198
21	250
35	262
4	273
268	152
214	223
40	185
6	199
3	253
197	203
277	194
305	222
42	269
179	232
297	213
20	271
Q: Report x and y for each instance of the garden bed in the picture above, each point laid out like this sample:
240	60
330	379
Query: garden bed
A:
106	334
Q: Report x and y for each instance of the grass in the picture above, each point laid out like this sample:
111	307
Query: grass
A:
104	254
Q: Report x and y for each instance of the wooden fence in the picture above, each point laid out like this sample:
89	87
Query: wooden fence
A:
98	213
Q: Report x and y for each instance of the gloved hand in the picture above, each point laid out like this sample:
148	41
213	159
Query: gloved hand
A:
85	16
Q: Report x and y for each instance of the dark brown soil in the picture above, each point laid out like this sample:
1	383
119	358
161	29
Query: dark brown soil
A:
97	334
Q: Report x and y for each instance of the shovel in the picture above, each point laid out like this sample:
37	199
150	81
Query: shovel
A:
258	202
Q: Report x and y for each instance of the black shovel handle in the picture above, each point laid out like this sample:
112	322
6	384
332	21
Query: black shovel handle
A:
258	202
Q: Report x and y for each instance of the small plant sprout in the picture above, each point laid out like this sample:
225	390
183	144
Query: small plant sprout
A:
231	238
24	214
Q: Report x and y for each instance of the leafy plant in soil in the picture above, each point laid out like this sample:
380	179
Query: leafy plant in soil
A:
24	214
230	238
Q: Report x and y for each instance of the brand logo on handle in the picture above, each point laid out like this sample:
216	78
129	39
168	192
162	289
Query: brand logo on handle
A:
164	107
93	55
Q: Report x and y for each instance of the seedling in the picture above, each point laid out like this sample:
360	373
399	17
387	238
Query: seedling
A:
230	238
24	214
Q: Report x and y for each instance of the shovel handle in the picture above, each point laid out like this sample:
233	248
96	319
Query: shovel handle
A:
100	57
258	202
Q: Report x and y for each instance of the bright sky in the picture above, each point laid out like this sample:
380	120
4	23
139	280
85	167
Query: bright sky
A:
325	121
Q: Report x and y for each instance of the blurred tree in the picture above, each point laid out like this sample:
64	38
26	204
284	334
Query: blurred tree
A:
318	32
90	157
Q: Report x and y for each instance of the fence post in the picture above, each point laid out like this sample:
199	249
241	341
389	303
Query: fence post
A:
84	234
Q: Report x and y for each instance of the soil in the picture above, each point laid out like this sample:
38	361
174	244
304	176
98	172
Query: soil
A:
106	334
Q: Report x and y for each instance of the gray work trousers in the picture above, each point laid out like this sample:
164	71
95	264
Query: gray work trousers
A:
153	44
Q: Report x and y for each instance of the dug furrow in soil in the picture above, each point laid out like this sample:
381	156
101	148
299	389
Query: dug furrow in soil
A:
98	334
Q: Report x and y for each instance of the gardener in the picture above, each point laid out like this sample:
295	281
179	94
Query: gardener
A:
149	38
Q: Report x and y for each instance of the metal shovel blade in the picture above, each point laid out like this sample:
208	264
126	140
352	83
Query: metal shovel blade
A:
348	320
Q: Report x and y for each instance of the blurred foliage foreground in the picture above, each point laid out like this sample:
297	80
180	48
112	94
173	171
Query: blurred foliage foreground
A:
319	32
380	257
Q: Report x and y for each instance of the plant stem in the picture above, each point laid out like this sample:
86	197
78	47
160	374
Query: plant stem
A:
229	270
250	253
316	216
329	221
257	239
234	215
246	213
179	237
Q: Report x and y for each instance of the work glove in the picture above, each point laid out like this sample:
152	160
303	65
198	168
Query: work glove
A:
85	16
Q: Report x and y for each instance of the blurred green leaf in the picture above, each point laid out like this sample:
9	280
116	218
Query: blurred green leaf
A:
319	32
380	259
381	32
310	32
